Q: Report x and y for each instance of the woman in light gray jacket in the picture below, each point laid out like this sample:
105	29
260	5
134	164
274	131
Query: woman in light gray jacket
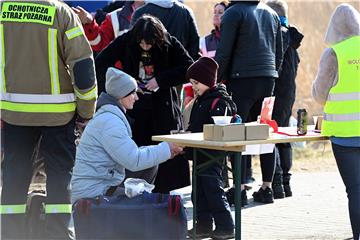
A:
337	87
106	149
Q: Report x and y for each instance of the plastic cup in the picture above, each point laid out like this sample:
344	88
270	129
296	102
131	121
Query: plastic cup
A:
222	120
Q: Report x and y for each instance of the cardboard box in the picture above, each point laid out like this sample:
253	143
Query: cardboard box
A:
228	132
236	132
256	131
208	131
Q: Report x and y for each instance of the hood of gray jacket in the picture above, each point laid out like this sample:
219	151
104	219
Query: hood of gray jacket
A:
344	23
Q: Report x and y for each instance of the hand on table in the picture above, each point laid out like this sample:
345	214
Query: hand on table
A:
174	149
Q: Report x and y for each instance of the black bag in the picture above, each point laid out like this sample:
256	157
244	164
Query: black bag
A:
147	216
35	215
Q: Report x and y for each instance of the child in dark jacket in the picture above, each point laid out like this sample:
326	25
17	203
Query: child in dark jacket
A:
211	100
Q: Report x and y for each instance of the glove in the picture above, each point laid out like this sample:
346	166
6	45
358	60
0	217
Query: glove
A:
236	119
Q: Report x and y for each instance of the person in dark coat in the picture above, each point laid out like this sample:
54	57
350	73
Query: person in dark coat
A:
211	100
158	62
249	56
284	92
178	20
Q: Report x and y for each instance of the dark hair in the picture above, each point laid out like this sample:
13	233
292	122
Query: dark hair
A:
225	4
279	6
132	92
149	29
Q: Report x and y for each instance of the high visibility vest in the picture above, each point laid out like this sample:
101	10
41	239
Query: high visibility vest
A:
342	108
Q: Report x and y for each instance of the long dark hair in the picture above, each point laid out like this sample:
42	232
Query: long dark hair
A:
150	29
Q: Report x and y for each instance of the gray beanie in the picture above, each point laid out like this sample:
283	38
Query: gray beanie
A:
118	83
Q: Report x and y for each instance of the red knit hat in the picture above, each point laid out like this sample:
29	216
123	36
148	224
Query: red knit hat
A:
203	70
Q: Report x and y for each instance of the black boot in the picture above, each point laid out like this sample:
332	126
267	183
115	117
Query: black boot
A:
230	195
286	183
264	195
202	231
277	186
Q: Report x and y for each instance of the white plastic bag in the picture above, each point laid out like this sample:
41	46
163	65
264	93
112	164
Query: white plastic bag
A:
136	186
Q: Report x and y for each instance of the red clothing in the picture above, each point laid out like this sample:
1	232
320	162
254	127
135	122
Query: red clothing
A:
99	36
115	24
189	92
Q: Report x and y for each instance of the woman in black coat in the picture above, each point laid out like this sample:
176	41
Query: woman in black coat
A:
159	62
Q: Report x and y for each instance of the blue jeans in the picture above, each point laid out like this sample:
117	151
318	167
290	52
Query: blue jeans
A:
348	161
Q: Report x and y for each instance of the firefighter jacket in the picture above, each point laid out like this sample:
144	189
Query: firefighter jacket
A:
47	72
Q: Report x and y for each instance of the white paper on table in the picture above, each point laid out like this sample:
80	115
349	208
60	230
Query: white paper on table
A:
257	149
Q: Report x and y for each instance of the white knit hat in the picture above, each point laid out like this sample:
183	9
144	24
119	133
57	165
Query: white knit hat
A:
118	83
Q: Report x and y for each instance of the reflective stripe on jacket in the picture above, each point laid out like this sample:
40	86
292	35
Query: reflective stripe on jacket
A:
49	209
342	108
46	65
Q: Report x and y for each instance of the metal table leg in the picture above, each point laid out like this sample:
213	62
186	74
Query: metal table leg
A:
193	193
237	173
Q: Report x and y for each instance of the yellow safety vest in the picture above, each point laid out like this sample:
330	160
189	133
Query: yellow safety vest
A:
342	108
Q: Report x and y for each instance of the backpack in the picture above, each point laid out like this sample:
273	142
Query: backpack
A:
230	103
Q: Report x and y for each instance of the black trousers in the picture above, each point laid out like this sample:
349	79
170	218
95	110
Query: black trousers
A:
58	149
347	160
212	204
248	94
281	114
283	159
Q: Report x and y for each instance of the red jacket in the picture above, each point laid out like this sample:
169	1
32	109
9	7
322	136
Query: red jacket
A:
114	25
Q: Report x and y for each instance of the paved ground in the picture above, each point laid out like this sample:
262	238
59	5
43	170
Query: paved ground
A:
318	210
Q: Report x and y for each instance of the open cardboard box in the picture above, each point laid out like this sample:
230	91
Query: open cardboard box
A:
236	132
